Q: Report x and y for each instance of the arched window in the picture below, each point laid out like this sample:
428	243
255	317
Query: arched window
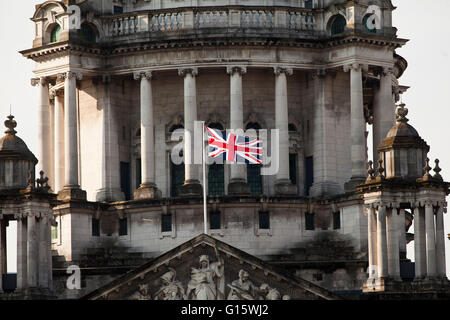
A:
88	33
338	25
292	127
216	171
55	34
254	178
368	25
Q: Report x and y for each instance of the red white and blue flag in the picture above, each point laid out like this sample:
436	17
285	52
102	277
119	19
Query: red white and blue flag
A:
235	148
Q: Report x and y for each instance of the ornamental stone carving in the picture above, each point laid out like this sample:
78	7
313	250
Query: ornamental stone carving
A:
207	282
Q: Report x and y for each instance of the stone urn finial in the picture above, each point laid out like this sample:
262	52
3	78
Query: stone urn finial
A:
437	170
11	124
401	113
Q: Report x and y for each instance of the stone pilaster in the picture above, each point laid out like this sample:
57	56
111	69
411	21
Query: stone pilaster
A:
59	143
393	245
32	251
419	243
440	243
147	189
43	263
110	190
430	237
192	186
72	187
358	127
238	183
382	257
283	185
21	253
372	242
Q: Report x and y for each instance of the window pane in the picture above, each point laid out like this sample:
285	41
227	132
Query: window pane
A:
338	25
336	220
293	168
177	177
309	221
56	34
216	180
264	220
214	220
95	227
166	223
125	179
254	179
309	174
123	227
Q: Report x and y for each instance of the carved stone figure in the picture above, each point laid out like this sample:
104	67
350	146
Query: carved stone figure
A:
243	288
268	293
207	282
170	288
141	294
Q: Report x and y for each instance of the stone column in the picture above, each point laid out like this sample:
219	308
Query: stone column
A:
430	241
358	127
372	242
59	143
402	233
72	187
283	184
393	245
419	243
32	250
43	254
147	189
324	137
43	120
21	253
110	190
440	243
384	115
382	251
192	186
238	183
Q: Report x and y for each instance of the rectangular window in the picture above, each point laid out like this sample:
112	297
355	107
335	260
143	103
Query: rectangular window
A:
125	179
166	223
138	173
254	179
309	174
54	232
95	227
177	178
123	227
336	220
118	10
264	220
293	168
214	220
309	221
216	179
308	4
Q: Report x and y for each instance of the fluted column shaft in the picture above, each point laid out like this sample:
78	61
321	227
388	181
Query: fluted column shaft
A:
419	243
43	121
440	243
393	244
430	241
71	130
32	251
238	171
21	253
59	143
382	256
372	242
358	124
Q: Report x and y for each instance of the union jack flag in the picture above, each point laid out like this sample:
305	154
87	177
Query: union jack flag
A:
235	148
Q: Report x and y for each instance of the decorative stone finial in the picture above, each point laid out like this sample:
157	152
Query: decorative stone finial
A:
42	183
380	170
401	113
427	169
437	171
370	171
11	124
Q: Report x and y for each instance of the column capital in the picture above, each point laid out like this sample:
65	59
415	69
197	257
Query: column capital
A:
42	81
183	72
147	75
387	71
286	70
236	69
70	75
356	66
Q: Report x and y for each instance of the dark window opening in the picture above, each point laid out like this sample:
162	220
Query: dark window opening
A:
138	173
123	227
95	227
177	178
118	10
254	179
368	24
166	223
308	4
293	168
216	179
54	232
125	179
338	25
309	221
55	34
336	220
309	174
292	127
214	220
264	220
87	33
175	127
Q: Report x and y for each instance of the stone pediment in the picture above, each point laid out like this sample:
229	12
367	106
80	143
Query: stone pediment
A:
207	269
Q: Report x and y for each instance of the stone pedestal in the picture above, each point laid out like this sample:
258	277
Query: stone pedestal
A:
191	188
238	188
70	194
147	191
285	187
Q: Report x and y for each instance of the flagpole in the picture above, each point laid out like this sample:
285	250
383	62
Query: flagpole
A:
205	216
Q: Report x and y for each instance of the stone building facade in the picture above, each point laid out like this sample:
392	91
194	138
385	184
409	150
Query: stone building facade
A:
116	78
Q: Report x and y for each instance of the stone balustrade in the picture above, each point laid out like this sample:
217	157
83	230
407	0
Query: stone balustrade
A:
293	19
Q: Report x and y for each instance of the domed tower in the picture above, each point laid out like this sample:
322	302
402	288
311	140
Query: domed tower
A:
29	203
402	182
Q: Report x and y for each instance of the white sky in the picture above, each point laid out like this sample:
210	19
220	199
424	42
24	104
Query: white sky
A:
428	75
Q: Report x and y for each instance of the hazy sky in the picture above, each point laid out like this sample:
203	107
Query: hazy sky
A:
428	75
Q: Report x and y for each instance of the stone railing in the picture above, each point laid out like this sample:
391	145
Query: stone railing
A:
298	19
